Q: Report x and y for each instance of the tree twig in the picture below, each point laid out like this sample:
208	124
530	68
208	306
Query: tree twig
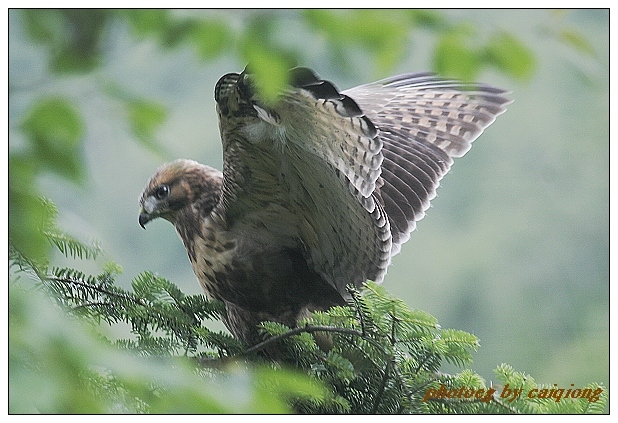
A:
297	331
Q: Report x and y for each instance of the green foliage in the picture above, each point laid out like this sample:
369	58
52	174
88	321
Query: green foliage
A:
162	319
458	56
591	399
72	371
52	132
145	116
209	36
576	40
66	244
375	356
74	39
54	129
67	356
262	67
453	57
558	29
72	36
383	33
99	348
27	213
507	53
32	239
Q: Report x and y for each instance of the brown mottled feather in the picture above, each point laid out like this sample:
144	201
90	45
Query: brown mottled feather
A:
317	192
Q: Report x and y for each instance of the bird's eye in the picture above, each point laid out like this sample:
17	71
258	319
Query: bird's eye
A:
161	192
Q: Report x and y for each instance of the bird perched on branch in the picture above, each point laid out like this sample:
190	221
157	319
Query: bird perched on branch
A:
319	189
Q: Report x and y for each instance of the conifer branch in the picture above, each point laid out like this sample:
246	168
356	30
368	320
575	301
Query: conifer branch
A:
384	360
385	376
297	331
96	288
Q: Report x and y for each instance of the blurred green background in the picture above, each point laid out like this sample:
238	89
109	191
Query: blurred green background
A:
516	246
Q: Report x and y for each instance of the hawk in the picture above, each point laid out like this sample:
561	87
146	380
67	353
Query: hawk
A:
319	190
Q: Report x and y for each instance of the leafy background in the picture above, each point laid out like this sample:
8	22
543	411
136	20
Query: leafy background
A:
515	247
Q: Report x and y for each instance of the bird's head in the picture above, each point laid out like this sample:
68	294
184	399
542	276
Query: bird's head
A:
180	187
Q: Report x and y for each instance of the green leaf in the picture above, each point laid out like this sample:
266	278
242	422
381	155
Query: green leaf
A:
383	33
71	35
54	120
29	216
428	18
277	388
54	128
145	118
211	38
453	58
71	247
26	216
457	346
44	25
269	69
505	52
576	40
148	21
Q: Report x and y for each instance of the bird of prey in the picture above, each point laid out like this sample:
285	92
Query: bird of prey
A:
319	189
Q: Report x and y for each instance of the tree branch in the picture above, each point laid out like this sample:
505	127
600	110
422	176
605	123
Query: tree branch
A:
297	331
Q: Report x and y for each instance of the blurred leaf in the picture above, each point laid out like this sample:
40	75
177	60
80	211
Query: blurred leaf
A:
27	215
81	52
278	386
576	40
47	355
44	26
177	32
270	72
145	118
55	129
269	65
453	58
381	32
211	38
22	173
57	358
73	371
329	22
71	35
54	120
510	56
148	21
428	18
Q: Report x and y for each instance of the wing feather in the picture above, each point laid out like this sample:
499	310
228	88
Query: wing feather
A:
316	156
424	122
348	173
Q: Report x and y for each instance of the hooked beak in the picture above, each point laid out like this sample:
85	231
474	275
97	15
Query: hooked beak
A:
148	211
144	218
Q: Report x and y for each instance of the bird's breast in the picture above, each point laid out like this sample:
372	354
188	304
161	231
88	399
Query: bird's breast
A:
212	253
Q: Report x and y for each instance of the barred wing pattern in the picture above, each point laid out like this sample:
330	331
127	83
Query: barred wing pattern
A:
424	123
344	175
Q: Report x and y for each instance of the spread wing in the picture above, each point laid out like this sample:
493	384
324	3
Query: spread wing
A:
342	175
424	122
